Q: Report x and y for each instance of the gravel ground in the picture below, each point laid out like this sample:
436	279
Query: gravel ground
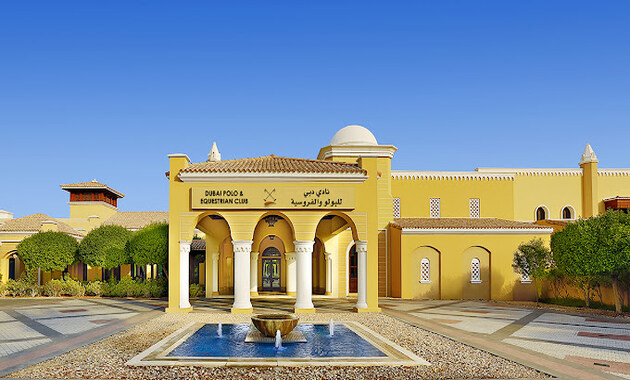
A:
106	359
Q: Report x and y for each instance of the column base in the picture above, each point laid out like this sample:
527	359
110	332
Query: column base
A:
290	293
215	293
367	310
304	311
178	310
253	293
242	311
328	293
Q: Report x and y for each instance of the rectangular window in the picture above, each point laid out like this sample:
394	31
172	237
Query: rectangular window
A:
396	207
434	207
474	207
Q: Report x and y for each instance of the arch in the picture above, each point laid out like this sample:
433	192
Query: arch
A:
541	213
349	221
425	273
282	228
476	285
352	269
568	212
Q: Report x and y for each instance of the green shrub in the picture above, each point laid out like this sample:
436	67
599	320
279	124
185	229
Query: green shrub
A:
73	288
93	288
150	245
2	288
53	288
48	250
15	288
105	247
197	290
158	287
128	287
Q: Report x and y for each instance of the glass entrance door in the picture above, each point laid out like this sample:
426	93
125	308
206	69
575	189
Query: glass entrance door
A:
271	264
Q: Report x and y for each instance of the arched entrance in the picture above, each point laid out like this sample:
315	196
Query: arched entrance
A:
271	263
353	270
319	268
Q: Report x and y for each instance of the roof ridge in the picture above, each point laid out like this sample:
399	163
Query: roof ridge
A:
277	157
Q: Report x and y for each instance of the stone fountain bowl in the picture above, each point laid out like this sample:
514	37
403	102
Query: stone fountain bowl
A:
268	324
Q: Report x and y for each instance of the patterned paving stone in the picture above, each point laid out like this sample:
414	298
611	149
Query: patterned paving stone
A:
17	330
4	317
75	325
560	351
570	334
8	348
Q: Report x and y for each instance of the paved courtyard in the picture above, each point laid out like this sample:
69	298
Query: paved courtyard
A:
35	329
593	343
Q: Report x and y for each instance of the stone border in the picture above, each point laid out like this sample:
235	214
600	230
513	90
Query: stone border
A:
396	355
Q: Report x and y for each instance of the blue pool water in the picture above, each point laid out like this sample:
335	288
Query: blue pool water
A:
205	342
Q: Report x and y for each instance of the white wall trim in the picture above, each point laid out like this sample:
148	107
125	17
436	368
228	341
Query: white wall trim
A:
269	177
533	171
356	151
443	175
477	231
614	172
573	212
547	213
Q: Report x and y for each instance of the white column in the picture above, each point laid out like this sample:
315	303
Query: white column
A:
329	272
291	279
304	251
242	249
361	247
253	274
184	268
215	273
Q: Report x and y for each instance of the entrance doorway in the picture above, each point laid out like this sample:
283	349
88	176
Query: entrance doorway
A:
271	264
12	268
353	270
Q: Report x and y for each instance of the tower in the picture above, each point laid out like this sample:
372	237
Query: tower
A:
590	202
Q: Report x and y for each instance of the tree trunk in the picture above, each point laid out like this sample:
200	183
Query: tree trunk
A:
587	295
616	293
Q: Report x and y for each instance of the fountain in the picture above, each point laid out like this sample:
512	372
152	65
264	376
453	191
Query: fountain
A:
270	324
278	340
331	327
220	329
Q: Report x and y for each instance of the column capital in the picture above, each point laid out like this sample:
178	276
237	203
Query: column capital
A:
303	246
361	245
215	256
328	255
242	246
253	255
290	257
184	247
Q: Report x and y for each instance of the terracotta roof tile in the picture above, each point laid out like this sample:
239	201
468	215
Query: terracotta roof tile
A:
135	220
90	186
273	164
33	223
463	223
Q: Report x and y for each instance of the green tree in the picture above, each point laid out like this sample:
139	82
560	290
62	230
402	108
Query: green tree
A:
48	251
534	260
150	245
595	247
105	247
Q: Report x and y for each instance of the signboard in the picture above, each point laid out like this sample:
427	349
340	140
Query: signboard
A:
272	197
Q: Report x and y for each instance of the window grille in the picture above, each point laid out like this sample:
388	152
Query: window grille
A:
525	277
475	271
425	271
434	207
474	208
396	207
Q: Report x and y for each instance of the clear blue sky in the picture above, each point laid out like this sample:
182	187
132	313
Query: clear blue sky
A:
106	89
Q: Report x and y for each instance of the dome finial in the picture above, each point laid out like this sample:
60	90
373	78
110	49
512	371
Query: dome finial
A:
214	155
588	156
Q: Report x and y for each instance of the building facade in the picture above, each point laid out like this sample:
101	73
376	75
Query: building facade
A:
346	224
92	204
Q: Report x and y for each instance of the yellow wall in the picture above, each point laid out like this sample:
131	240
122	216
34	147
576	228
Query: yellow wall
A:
495	253
612	186
553	191
495	197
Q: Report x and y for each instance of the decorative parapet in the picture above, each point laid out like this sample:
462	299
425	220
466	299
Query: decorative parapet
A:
457	176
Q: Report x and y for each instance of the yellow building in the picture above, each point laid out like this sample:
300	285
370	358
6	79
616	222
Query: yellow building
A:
346	224
91	204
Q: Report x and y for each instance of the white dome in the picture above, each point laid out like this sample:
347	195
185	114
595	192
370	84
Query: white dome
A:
353	135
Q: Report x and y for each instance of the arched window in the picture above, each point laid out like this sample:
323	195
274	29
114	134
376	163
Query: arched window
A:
12	268
541	214
475	271
567	213
425	271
